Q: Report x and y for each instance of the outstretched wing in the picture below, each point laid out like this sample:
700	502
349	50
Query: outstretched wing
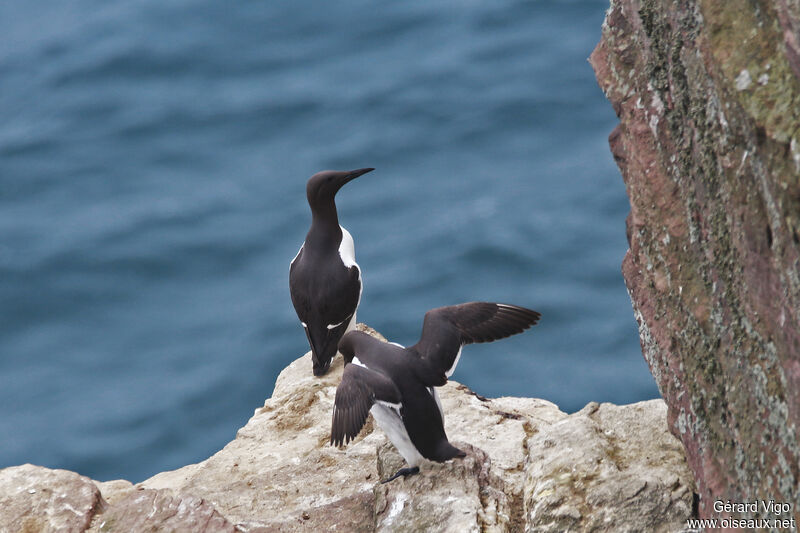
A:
359	390
447	329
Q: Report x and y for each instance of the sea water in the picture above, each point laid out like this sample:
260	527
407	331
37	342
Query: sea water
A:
153	160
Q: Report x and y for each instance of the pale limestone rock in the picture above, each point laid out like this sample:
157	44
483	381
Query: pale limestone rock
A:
157	510
283	451
114	490
39	499
280	472
608	468
529	466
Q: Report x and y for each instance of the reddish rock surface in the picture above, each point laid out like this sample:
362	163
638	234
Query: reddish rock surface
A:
708	97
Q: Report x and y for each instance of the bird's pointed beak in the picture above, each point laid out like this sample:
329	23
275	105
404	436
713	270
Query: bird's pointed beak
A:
353	174
320	364
321	369
318	347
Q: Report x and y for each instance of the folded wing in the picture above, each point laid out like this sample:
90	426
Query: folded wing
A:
446	330
359	390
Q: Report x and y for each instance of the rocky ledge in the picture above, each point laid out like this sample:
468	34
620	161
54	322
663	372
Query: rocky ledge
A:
529	467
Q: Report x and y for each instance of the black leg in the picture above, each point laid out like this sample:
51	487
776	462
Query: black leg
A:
405	472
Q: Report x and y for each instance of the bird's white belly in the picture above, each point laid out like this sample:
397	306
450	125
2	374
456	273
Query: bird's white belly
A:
389	421
352	324
347	252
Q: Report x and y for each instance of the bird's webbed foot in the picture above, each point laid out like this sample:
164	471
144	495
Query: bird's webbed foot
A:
405	472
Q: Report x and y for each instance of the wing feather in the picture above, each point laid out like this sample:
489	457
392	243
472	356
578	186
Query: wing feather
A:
358	391
446	330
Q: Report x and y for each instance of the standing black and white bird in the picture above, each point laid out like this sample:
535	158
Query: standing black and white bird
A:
324	279
396	384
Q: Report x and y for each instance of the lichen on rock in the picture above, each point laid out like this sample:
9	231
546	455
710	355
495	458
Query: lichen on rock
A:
708	97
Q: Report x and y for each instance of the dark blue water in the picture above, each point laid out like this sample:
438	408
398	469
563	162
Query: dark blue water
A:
153	159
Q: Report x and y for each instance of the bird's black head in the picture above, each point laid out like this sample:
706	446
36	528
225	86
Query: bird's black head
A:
347	345
323	186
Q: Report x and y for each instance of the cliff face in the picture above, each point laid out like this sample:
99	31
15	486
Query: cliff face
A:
708	97
529	467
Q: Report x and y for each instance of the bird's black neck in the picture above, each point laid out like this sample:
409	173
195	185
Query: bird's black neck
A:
325	231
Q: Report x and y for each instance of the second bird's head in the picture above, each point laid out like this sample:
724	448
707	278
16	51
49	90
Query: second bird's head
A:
347	345
323	186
